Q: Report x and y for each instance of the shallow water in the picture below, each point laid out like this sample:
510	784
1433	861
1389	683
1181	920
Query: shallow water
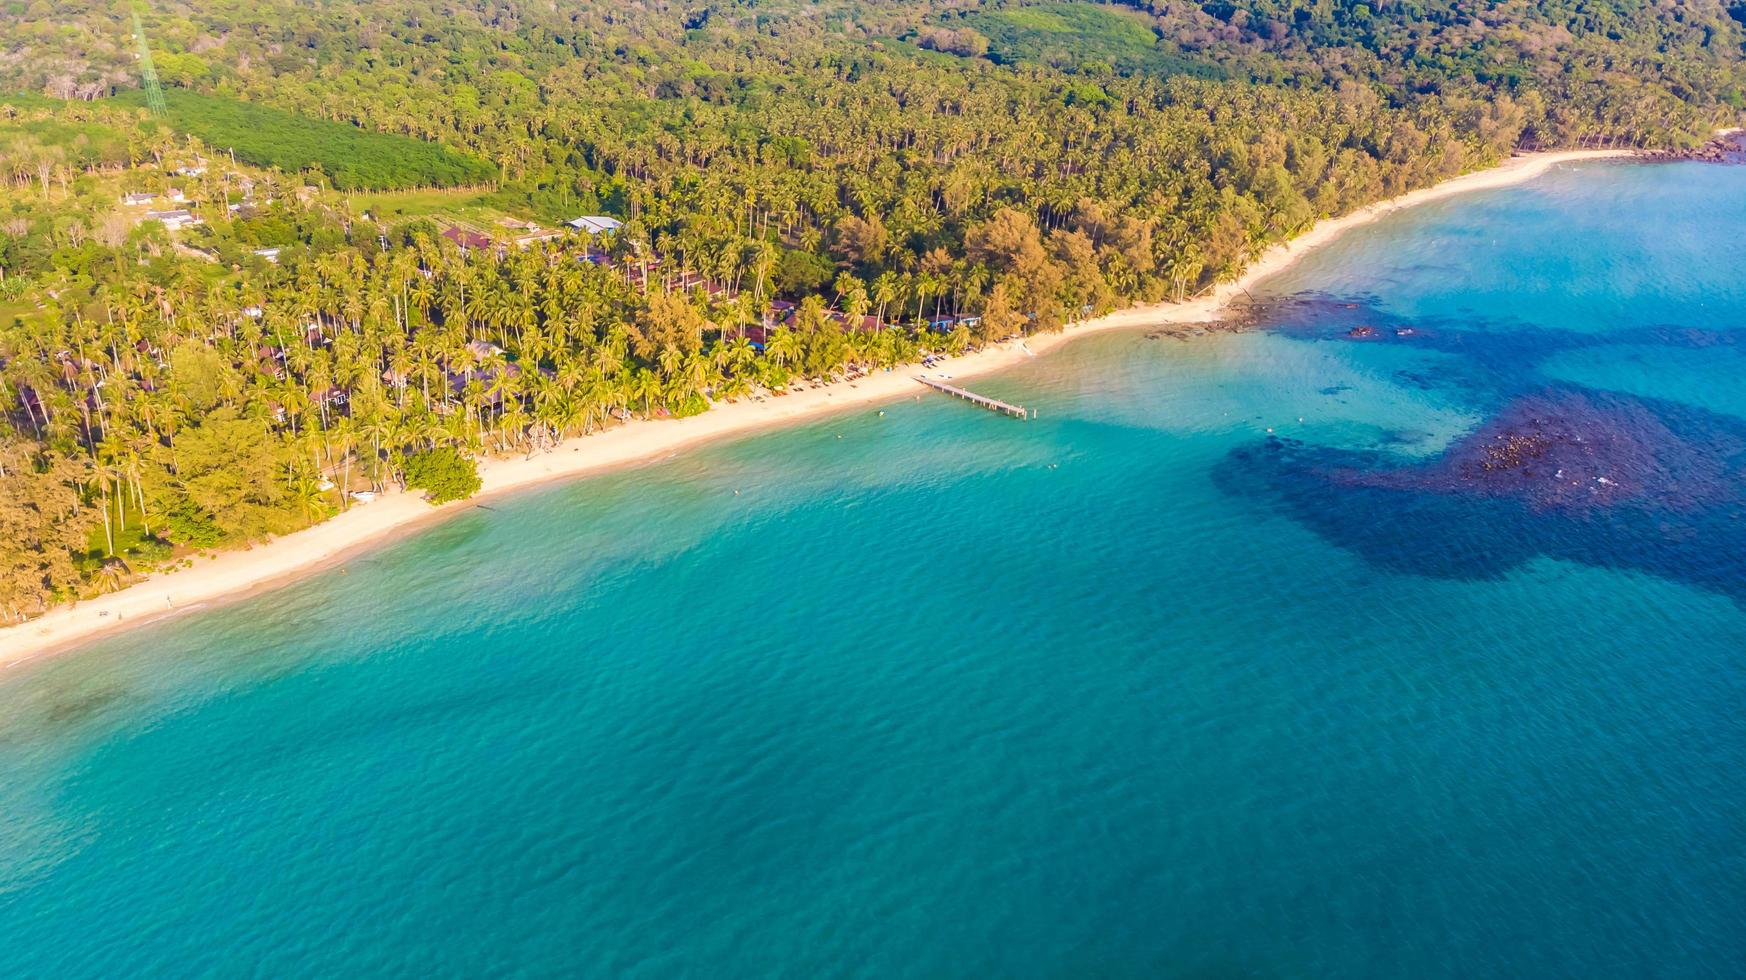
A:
1129	690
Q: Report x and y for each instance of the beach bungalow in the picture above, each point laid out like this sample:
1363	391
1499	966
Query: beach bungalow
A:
491	394
270	254
271	363
596	224
781	312
138	199
72	367
860	324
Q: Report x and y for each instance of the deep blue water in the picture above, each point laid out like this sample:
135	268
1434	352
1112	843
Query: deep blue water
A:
1138	688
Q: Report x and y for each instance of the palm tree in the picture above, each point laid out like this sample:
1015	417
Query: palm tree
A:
740	355
782	346
886	289
646	386
112	575
763	262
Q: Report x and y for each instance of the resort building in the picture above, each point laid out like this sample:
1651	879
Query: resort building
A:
534	236
596	224
482	350
468	240
780	313
179	218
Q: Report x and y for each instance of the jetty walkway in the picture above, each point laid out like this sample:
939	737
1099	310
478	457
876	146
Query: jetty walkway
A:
992	404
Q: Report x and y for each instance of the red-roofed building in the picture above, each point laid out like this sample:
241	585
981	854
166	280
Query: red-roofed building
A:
468	240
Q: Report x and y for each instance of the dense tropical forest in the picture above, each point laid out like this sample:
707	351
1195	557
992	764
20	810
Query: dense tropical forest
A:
336	284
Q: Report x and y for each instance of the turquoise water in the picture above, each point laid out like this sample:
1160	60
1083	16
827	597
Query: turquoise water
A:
1129	690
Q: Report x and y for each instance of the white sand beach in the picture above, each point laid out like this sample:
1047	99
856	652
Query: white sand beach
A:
234	574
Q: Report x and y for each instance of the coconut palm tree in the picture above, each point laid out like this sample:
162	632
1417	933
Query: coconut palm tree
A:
782	347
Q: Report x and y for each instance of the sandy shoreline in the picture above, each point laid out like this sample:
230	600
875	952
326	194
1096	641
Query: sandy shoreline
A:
232	575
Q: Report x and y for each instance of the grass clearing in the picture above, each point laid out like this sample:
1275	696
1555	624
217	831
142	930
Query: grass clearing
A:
351	158
465	207
1080	35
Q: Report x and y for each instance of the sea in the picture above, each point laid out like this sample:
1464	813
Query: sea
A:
1401	633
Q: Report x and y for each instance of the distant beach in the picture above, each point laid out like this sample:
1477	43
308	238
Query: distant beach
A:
234	574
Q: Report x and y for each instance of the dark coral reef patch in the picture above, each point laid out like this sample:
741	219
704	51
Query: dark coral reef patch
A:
1575	451
1600	478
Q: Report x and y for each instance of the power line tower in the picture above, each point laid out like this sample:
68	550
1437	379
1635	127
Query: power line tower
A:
147	72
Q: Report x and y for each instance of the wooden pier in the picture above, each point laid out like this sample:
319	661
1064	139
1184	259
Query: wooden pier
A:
993	405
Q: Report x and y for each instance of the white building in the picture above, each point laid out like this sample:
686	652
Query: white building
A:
596	224
179	218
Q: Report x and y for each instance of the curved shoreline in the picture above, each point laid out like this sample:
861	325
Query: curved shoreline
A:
235	574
